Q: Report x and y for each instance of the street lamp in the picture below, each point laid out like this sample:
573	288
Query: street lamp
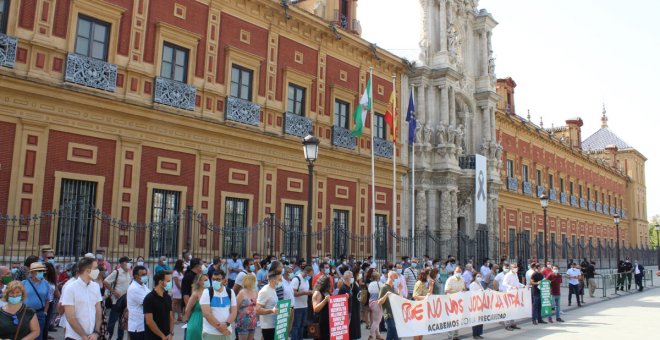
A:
311	150
617	220
657	242
544	205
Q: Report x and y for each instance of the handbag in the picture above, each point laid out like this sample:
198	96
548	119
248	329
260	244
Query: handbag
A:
313	331
108	300
20	323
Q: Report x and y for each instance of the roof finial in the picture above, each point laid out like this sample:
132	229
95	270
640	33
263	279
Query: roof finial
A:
603	119
529	118
541	121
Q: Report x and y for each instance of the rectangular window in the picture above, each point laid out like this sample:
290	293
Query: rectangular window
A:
75	231
293	227
525	173
570	187
175	63
241	82
512	243
236	215
92	38
552	245
341	228
165	223
4	9
614	202
609	200
381	236
580	190
588	194
596	196
539	179
509	169
551	181
379	126
561	184
341	113
296	100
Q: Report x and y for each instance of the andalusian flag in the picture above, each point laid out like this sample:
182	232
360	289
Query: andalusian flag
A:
391	116
362	109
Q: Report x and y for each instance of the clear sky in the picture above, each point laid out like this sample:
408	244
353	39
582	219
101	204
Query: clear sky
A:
568	58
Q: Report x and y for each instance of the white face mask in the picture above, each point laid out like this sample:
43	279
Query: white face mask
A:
94	274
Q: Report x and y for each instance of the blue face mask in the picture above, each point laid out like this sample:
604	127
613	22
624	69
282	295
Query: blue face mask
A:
205	271
307	277
40	275
14	270
217	285
279	285
51	261
68	274
168	286
207	284
145	279
14	299
251	267
326	271
414	264
140	263
395	283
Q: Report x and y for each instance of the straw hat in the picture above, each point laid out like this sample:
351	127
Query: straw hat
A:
37	266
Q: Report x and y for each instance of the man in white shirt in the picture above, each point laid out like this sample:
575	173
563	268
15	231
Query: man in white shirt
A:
301	291
511	282
286	283
467	275
117	284
529	273
82	304
69	282
451	264
219	310
638	270
573	274
233	268
455	284
410	274
248	269
315	265
485	268
497	281
134	298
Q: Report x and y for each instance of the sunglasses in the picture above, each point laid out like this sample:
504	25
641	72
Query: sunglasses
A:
14	319
51	257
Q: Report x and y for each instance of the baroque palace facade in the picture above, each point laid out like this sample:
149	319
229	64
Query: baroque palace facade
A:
587	181
146	108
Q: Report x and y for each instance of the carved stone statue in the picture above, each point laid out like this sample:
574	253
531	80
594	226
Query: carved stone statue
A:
460	134
428	133
491	66
419	135
440	134
451	132
453	41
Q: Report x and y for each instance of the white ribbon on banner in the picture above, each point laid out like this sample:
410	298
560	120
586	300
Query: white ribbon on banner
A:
444	313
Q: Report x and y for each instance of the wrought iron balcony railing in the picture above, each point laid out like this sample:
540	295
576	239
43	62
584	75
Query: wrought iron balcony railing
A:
553	195
512	183
562	197
591	205
7	51
583	203
467	162
90	72
343	138
242	111
383	148
297	125
574	201
539	190
527	188
174	93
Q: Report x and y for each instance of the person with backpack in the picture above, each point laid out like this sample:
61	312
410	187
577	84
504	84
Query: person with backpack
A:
117	284
134	298
218	304
193	315
248	269
301	293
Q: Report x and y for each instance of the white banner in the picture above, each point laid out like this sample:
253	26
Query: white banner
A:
480	189
444	313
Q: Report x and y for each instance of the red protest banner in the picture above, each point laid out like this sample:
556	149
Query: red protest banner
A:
338	313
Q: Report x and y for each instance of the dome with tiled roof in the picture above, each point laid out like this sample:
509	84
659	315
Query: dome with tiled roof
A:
604	138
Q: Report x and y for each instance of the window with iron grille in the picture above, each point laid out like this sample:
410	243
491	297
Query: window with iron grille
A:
296	100
596	196
509	169
525	173
381	236
341	113
512	243
580	190
588	194
561	184
553	243
92	38
292	228
174	65
341	229
570	188
551	181
236	214
164	223
4	9
241	82
379	126
539	179
75	230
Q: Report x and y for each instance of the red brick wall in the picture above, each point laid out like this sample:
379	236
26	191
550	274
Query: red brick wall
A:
334	66
222	185
60	21
27	13
7	135
286	59
331	199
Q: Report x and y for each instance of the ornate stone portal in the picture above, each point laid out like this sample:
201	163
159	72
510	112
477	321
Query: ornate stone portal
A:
456	99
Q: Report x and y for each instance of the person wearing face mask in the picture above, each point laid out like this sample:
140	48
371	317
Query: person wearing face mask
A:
535	281
248	269
186	257
383	299
137	291
497	281
60	308
450	264
467	275
638	270
102	262
376	310
219	309
320	306
193	315
5	278
410	274
233	267
162	264
287	291
262	274
555	290
246	318
324	270
628	267
157	309
511	282
348	287
117	285
37	290
267	301
476	286
17	321
455	284
301	292
82	303
573	275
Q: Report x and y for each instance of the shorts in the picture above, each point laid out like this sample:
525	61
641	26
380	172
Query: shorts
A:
245	331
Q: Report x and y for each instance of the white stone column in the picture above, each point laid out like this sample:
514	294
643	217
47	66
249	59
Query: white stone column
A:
445	215
432	204
491	116
485	111
443	26
420	104
452	107
444	104
420	209
483	36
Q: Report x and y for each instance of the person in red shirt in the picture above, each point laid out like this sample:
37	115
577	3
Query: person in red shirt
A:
547	270
555	291
324	269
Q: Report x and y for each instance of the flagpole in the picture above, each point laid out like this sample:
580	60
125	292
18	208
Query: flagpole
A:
412	89
394	118
373	172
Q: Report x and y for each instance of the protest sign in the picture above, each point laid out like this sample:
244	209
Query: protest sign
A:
338	313
443	313
546	298
282	321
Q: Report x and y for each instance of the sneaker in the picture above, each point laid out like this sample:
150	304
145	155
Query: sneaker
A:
508	328
560	320
541	321
478	337
550	320
534	322
515	327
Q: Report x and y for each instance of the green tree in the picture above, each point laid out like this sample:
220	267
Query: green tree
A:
653	235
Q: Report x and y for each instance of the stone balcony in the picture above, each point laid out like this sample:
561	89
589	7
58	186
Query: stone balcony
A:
7	51
383	148
90	72
297	125
242	111
174	93
343	138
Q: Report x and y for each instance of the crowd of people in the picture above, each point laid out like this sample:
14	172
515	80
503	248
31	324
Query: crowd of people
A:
230	299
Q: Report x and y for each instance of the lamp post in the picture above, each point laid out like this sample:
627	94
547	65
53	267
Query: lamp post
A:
657	242
311	150
617	220
544	205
